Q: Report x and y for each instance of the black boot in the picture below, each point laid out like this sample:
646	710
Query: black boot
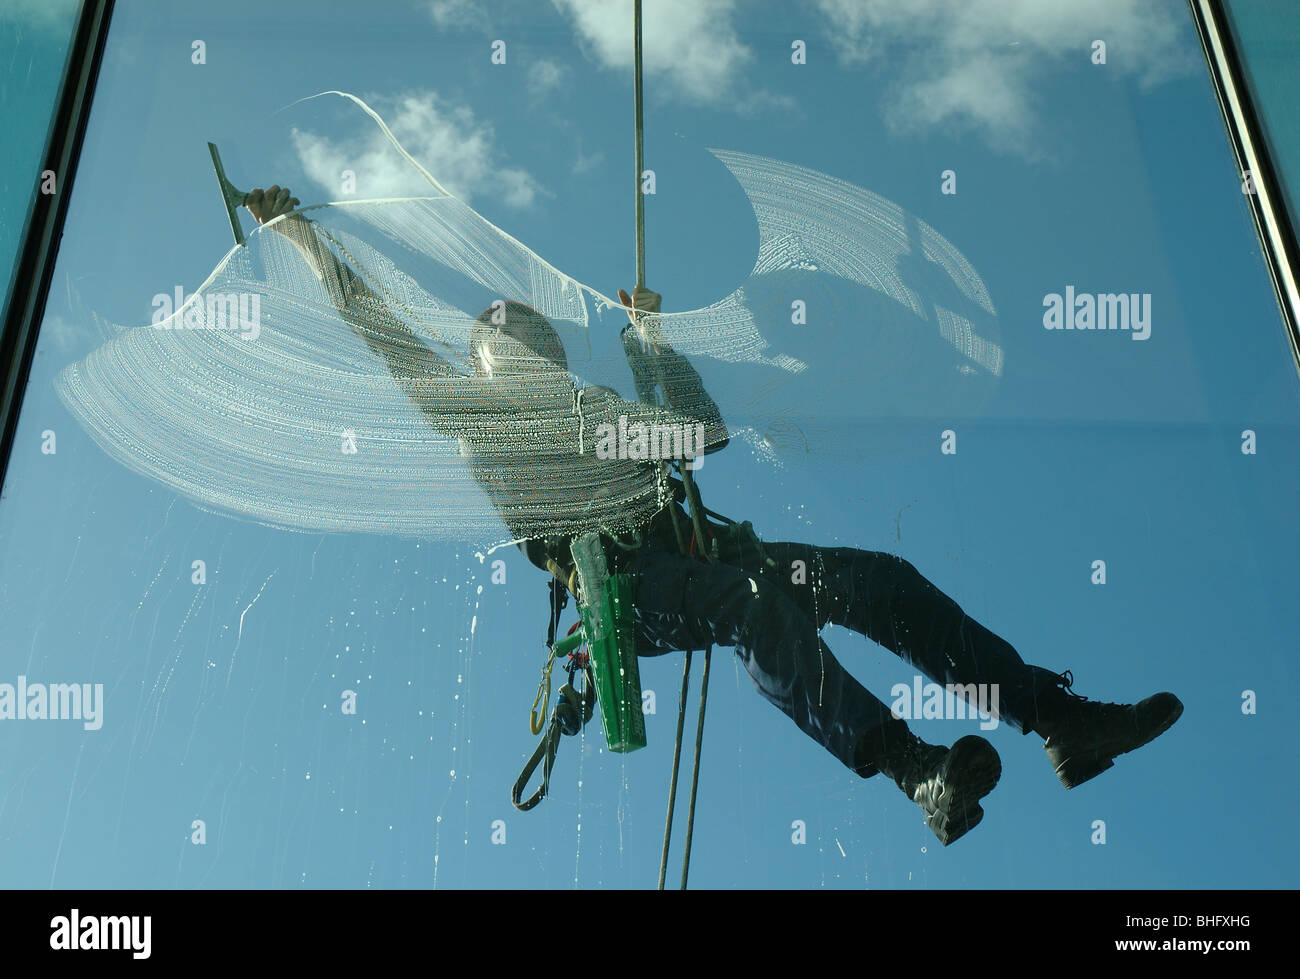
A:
947	783
1082	737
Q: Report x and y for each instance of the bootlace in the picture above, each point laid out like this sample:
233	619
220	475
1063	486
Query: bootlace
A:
1066	680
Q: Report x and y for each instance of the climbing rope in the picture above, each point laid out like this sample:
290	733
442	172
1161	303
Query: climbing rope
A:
572	709
694	506
695	771
692	499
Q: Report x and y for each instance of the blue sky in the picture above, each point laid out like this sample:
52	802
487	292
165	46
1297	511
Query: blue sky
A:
222	700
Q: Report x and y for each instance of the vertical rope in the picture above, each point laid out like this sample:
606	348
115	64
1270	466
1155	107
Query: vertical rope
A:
695	772
694	503
639	155
692	500
640	159
677	758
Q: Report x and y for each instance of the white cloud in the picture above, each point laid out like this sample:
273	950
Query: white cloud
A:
756	103
691	45
64	336
458	14
458	150
545	75
975	63
585	163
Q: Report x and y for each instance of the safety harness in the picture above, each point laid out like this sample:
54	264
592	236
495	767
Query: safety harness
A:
602	647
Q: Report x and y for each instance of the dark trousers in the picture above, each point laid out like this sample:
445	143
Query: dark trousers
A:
773	623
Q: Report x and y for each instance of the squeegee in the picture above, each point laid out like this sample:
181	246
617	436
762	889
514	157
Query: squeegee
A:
232	197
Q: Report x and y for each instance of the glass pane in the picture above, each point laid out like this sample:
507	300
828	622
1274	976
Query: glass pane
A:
308	681
34	39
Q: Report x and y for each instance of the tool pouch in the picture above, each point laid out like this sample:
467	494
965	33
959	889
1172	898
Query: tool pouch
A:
606	610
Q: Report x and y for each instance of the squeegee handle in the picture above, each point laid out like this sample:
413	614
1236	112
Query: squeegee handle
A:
231	196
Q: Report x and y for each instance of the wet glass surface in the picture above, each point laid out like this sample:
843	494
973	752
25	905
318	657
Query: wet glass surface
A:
1118	503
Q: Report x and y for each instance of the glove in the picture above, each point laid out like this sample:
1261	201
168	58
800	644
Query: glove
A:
642	300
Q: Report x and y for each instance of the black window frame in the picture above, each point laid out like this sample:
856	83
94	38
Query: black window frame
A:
1250	147
24	306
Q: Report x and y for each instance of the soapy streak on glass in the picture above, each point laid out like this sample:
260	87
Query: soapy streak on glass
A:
260	424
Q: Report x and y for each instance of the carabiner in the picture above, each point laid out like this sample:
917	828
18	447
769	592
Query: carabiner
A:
537	722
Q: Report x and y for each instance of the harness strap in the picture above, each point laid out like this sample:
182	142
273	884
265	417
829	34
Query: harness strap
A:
572	712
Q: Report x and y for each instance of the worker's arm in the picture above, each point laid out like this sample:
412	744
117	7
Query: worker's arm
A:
407	356
655	363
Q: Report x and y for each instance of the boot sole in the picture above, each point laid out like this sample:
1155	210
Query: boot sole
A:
1079	767
970	772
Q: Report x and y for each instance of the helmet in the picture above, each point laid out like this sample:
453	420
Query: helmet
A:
511	338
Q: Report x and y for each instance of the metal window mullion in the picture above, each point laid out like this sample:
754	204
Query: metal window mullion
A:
25	305
1272	223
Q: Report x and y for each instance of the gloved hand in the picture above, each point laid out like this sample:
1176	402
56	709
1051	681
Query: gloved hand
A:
643	300
270	204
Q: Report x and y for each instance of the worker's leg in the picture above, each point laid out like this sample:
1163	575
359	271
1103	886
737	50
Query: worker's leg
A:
683	604
886	599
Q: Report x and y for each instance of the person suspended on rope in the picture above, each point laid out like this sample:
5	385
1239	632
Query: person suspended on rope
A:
770	600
